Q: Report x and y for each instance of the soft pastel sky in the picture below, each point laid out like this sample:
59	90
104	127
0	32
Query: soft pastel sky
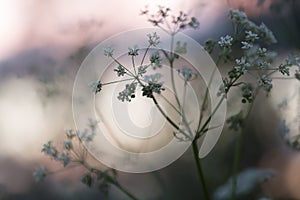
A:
37	39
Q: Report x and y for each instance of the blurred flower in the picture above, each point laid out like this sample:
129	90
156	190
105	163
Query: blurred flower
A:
187	73
67	144
142	69
155	60
153	39
108	51
65	158
251	37
39	173
236	121
50	149
247	182
133	51
70	134
152	78
237	16
120	70
265	82
247	93
246	45
96	86
283	129
267	33
180	49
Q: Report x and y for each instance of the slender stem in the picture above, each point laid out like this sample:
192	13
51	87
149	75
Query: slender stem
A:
144	56
206	93
164	114
133	65
170	104
199	169
125	191
209	118
128	79
171	60
237	156
112	181
130	73
237	153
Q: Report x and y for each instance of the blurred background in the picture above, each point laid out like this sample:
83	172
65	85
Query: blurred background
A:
42	46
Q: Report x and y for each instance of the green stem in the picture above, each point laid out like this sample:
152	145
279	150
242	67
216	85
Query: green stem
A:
112	82
204	127
125	191
171	61
199	169
237	157
164	114
206	93
237	153
144	56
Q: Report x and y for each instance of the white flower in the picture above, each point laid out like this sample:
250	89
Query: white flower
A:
226	41
187	73
246	45
243	65
39	173
250	36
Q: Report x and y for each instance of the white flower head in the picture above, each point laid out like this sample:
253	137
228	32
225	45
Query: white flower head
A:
226	41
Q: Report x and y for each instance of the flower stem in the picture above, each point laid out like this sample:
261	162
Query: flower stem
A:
199	169
237	153
125	191
237	156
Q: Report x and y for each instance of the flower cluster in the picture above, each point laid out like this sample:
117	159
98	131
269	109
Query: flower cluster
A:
102	179
153	39
256	60
225	42
128	92
169	22
155	60
254	31
68	153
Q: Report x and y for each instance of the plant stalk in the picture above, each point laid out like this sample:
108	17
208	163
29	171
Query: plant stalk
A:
199	169
125	191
